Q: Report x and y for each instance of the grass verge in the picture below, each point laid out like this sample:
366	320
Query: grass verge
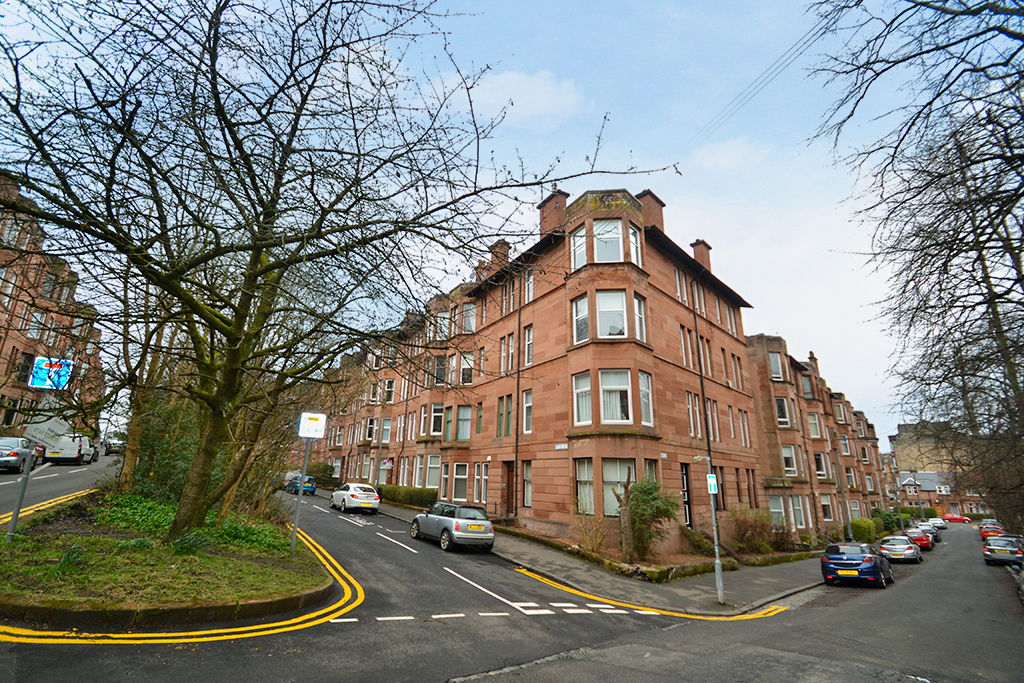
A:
103	549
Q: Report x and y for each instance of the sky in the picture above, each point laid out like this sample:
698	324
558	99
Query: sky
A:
778	208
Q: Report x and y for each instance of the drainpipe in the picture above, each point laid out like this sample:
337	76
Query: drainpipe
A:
519	370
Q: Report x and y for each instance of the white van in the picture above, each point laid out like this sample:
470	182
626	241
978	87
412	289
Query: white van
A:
74	449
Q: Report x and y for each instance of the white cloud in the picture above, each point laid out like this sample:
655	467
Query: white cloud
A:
538	101
736	154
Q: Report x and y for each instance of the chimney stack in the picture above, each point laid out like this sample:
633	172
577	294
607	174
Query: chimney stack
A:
702	252
552	212
652	209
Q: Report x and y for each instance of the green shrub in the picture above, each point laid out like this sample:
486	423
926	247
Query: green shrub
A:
188	543
323	472
752	531
863	529
699	542
649	509
806	541
879	526
408	495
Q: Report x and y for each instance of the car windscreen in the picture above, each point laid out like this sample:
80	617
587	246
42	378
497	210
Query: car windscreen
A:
1002	542
364	489
471	513
846	550
896	541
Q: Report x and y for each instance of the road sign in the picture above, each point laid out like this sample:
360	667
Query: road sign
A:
312	425
712	484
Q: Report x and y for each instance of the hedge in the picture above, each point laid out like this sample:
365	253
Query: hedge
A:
863	529
407	495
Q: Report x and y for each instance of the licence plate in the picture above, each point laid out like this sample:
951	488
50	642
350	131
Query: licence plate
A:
847	572
476	527
367	505
897	554
1002	550
53	453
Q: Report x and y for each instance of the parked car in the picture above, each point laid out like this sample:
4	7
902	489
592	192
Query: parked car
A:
74	449
1003	550
453	524
931	530
309	488
990	530
356	497
15	453
921	538
900	549
990	520
938	523
114	448
955	517
855	561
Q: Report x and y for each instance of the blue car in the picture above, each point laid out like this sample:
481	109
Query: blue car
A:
855	562
308	489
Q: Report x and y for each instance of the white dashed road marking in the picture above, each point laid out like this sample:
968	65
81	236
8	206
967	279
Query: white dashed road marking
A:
391	540
528	612
321	509
578	610
344	621
446	616
493	614
395	618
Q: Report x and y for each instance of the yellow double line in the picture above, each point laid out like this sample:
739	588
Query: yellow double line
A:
352	597
6	518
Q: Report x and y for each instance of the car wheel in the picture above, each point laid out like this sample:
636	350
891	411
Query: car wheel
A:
373	511
331	503
344	505
414	529
920	559
830	582
446	541
892	579
988	562
79	461
487	548
21	466
881	580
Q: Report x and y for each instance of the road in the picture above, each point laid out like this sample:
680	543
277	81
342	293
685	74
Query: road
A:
427	615
53	481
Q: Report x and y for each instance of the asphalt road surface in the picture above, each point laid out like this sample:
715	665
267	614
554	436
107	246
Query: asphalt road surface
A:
425	615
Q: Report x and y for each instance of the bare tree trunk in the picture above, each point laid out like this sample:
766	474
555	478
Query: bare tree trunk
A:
625	521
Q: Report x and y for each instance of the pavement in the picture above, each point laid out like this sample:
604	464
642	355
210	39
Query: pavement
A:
746	589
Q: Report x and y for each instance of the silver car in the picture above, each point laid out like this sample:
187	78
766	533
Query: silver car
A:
356	497
452	524
900	549
15	453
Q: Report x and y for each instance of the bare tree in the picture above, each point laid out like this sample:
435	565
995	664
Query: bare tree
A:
282	165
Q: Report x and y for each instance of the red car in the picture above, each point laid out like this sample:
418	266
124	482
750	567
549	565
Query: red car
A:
954	517
989	530
921	538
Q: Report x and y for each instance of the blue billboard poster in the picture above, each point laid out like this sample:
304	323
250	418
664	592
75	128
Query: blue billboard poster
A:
50	373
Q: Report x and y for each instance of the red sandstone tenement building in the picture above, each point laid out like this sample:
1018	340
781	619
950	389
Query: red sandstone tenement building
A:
603	351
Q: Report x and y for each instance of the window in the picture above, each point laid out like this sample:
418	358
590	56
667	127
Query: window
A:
639	315
869	482
505	415
389	391
501	414
813	428
680	285
442	325
615	397
436	418
578	242
860	429
479	417
686	338
528	286
468	318
693	410
581	394
418	476
650	469
448	423
443	492
8	288
464	422
775	361
374	392
511	352
864	455
826	507
423	420
634	246
580	321
528	411
646	411
777	510
796	508
611	314
684	492
480	482
452	366
614	472
844	444
439	362
718	309
528	345
808	390
851	480
911	490
820	465
503	354
35	326
585	486
854	509
782	411
385	430
527	484
737	372
400	429
461	482
466	369
369	429
789	461
840	413
607	241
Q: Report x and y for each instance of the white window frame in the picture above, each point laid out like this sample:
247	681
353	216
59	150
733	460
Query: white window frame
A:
466	368
777	510
528	345
527	484
463	423
608	233
789	465
605	379
582	399
827	512
460	478
528	286
528	411
775	365
468	318
442	492
580	314
436	419
634	246
611	303
782	411
646	399
585	486
578	248
844	444
614	472
640	317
